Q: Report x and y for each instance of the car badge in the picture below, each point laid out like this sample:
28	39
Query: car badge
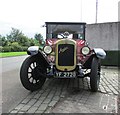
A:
63	49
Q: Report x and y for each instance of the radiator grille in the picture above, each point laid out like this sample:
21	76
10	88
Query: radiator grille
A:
66	55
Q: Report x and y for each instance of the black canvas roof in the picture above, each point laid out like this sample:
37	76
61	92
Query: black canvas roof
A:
62	23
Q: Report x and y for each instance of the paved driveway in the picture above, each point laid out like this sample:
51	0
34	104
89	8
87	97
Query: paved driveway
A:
73	96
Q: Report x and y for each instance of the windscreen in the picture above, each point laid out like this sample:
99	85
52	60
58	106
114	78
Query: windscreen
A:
76	31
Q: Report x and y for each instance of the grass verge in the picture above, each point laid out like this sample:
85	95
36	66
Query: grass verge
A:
10	54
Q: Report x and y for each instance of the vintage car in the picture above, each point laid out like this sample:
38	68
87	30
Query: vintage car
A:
66	54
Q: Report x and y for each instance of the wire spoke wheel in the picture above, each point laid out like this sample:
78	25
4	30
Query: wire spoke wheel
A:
33	74
30	74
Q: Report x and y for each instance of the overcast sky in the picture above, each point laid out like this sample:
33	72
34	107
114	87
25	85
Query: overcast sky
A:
29	15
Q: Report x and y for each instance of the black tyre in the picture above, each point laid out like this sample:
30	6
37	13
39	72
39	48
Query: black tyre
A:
30	74
95	74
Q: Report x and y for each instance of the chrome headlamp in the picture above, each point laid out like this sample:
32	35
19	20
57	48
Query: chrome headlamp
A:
47	49
85	50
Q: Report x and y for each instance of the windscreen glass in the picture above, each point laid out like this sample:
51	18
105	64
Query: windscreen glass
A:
65	31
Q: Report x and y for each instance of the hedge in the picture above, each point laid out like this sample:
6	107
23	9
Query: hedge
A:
1	48
13	49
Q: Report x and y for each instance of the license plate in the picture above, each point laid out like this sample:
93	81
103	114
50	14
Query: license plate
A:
66	74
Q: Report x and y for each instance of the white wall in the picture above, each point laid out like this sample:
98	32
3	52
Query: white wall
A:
103	35
119	11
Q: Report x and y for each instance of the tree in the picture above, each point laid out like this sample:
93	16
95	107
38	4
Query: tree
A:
23	40
3	41
32	42
17	41
39	37
17	36
14	36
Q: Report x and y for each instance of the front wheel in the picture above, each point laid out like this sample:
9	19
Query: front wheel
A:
30	74
95	74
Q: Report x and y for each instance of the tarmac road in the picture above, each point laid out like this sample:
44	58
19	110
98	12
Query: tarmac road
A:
12	89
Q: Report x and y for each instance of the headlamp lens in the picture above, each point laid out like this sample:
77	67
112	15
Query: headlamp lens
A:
85	50
47	49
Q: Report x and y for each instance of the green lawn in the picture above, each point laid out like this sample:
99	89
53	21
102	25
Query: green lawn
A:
10	54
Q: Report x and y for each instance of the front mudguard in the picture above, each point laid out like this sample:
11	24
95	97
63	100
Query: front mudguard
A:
97	52
34	51
100	53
